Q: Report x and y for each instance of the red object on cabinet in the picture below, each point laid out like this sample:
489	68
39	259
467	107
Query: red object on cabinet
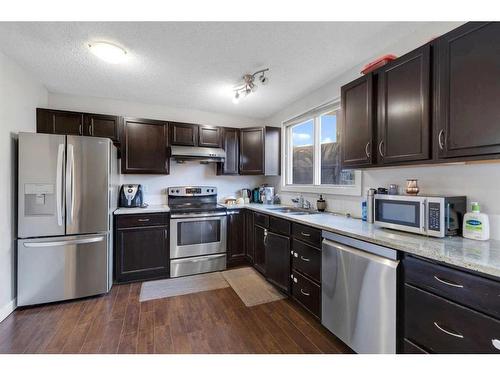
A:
381	61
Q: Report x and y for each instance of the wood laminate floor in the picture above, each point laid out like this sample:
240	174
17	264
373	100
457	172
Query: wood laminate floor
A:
208	322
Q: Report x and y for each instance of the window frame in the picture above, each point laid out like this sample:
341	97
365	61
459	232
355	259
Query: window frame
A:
287	160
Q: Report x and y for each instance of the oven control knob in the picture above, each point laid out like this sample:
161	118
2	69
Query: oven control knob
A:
177	191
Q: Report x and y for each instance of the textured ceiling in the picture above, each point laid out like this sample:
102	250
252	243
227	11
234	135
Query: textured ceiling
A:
196	64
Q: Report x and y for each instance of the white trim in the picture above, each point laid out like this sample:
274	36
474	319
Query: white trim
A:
7	309
353	190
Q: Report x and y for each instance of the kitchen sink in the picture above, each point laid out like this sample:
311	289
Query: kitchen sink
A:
293	211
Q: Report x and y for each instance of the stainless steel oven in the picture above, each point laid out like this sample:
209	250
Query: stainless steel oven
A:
198	231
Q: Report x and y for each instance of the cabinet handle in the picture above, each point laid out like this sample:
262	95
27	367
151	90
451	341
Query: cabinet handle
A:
496	343
448	332
380	148
440	139
304	259
305	234
91	130
80	126
305	293
366	150
143	220
448	283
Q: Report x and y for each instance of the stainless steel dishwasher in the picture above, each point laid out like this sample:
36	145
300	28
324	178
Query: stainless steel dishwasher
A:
358	291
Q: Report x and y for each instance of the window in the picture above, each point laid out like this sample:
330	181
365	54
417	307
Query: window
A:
312	155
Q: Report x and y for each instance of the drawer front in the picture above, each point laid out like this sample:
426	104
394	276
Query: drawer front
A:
470	290
280	226
411	348
127	221
261	219
307	234
445	327
306	259
307	293
196	265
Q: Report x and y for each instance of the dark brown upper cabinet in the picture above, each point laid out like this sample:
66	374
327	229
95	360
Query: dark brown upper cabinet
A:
230	143
467	88
59	122
357	129
209	136
105	126
260	151
144	146
182	134
404	113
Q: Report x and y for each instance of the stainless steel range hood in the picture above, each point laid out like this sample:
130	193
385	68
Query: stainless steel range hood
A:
200	154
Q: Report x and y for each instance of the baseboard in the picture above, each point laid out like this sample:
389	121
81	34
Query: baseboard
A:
7	309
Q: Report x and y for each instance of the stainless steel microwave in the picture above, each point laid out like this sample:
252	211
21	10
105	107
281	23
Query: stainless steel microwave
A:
435	216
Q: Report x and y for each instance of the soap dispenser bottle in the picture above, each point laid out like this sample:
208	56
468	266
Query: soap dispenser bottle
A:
321	204
476	224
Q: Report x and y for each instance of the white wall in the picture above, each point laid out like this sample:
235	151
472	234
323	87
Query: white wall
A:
477	181
19	96
180	174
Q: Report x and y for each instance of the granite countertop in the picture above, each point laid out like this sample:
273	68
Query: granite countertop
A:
480	256
146	210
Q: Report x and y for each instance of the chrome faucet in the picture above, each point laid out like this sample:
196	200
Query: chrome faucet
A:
300	202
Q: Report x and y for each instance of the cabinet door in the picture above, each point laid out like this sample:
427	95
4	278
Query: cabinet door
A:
249	236
209	136
260	237
144	147
278	261
141	253
182	134
252	151
467	91
404	108
235	239
101	126
357	123
230	143
58	122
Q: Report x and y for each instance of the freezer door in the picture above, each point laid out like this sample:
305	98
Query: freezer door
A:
60	268
41	185
87	183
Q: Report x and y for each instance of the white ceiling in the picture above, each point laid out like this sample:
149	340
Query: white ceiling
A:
195	64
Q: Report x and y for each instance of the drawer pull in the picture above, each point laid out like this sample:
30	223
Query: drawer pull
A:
305	259
305	234
448	332
448	283
305	293
143	220
496	343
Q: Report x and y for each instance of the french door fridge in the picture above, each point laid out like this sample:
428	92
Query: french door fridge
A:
65	201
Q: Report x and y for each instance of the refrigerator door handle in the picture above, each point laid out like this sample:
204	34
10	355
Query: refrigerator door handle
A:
59	182
70	184
64	243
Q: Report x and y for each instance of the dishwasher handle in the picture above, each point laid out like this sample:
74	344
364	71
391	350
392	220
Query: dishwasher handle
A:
363	254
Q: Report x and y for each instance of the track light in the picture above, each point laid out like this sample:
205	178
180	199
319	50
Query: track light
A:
248	86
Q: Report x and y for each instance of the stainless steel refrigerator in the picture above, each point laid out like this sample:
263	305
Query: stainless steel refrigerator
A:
66	197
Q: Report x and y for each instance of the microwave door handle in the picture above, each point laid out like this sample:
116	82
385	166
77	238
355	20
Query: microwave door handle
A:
423	216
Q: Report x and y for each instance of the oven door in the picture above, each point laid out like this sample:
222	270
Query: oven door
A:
197	234
401	212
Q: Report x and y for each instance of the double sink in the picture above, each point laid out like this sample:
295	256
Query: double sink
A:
294	211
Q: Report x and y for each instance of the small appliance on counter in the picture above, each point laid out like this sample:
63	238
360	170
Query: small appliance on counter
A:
267	195
435	216
131	196
256	195
246	194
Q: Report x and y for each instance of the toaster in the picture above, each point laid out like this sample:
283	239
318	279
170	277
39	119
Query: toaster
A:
131	196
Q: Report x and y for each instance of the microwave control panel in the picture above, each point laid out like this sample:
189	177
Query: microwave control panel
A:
434	216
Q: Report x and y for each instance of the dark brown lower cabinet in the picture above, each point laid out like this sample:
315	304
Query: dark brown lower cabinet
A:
236	251
249	236
141	252
259	259
277	260
307	293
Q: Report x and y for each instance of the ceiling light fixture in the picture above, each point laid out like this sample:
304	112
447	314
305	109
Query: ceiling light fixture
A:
108	52
249	85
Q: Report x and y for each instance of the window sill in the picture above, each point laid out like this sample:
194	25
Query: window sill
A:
353	190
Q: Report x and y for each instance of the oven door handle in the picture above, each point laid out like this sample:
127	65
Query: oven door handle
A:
189	216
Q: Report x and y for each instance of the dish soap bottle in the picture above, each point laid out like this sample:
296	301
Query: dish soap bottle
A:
321	204
476	225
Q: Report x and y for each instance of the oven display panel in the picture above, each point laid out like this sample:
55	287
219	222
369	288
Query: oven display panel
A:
193	191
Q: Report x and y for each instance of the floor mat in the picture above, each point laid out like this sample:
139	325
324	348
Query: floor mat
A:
181	285
251	286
